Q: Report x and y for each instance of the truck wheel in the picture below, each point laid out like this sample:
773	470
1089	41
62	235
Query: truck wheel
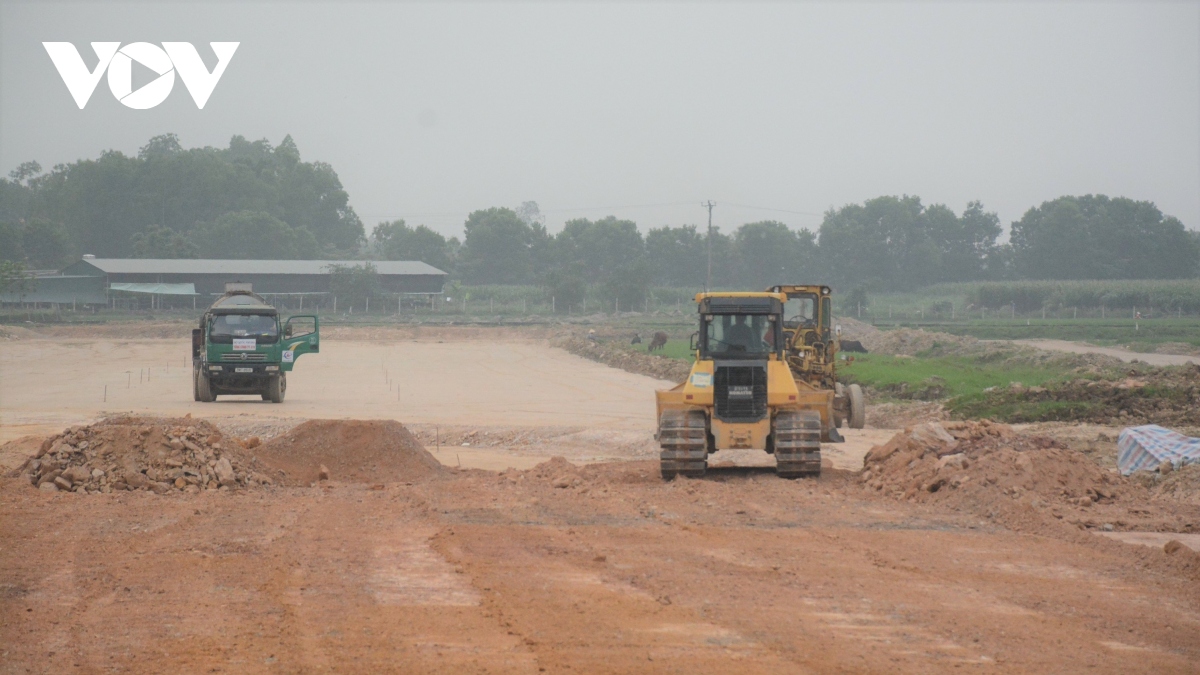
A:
195	383
858	409
277	388
204	392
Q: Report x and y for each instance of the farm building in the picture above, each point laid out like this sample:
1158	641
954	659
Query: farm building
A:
96	280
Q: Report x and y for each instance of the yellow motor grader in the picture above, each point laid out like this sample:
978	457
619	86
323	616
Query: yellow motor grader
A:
764	379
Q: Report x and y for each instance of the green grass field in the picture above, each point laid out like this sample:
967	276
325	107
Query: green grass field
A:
675	349
940	377
1131	332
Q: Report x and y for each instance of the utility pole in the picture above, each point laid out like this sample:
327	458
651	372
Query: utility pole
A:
708	280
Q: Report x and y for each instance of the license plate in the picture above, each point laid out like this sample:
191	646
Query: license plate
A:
243	370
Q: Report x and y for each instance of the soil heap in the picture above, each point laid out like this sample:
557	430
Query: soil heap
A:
1024	480
619	354
134	453
360	451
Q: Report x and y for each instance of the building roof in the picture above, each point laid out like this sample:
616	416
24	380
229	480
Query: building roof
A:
155	289
210	266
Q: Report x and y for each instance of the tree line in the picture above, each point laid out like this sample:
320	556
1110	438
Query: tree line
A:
249	200
886	243
255	200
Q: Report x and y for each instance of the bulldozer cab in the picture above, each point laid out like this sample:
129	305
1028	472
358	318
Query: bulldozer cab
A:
742	326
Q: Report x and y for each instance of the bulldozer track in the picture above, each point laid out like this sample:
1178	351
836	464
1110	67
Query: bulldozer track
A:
683	436
797	435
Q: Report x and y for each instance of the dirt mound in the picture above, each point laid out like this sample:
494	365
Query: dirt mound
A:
134	453
359	451
909	341
1026	481
1182	484
853	329
623	357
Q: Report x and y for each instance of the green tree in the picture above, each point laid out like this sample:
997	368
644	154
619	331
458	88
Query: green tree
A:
498	248
13	277
255	235
10	242
603	247
397	241
770	253
353	284
25	171
677	255
884	242
1097	237
162	242
104	202
565	287
46	243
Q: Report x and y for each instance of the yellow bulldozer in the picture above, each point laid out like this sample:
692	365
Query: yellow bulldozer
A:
764	379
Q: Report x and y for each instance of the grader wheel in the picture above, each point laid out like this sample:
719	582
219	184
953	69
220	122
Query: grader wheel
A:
858	409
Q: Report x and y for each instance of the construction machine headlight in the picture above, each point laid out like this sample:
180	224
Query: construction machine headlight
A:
214	367
270	368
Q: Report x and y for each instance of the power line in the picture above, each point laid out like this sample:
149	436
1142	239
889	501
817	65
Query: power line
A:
767	208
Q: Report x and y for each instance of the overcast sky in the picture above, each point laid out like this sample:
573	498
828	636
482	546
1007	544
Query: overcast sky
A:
774	111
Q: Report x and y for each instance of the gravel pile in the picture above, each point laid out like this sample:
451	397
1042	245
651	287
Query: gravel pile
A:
131	453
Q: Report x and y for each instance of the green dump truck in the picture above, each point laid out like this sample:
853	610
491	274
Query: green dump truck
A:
241	347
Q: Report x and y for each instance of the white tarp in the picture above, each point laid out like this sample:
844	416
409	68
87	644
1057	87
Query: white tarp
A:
154	289
1145	447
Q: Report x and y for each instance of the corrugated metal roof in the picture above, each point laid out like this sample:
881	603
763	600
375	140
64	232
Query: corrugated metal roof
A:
192	266
155	289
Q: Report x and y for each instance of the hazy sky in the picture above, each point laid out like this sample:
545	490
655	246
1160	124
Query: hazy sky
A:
643	110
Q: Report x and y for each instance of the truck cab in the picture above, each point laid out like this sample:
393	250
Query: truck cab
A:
241	347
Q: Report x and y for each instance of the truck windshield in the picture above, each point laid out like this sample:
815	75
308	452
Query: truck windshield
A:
739	335
260	326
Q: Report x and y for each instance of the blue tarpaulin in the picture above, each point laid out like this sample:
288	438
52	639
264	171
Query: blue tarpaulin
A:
1145	447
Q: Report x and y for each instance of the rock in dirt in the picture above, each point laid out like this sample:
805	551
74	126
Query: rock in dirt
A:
323	473
48	487
224	472
1172	547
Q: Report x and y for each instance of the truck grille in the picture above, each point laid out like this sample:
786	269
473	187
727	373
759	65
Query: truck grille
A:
244	356
740	393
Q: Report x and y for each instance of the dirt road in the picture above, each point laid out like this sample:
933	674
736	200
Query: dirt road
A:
556	568
617	572
1123	354
476	403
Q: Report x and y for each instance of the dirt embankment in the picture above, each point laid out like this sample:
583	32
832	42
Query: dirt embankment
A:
165	455
1027	482
1141	394
620	355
